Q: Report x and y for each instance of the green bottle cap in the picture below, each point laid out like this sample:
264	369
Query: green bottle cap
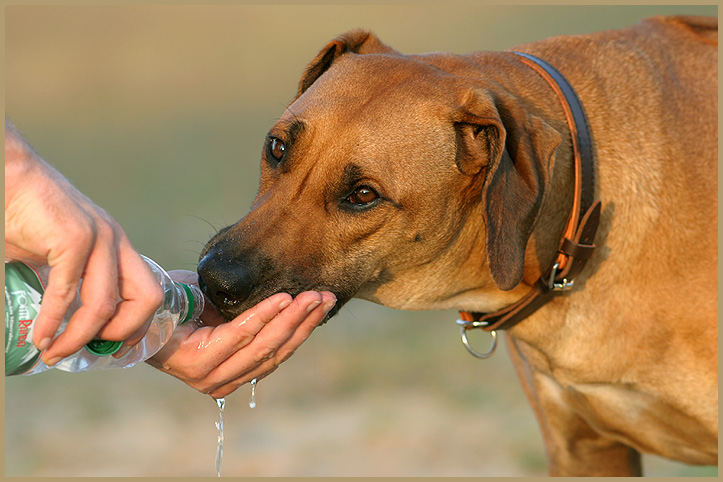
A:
103	347
191	303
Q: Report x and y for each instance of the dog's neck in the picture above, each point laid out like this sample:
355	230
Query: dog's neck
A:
522	87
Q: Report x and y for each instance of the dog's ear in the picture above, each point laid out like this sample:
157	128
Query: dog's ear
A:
357	41
515	151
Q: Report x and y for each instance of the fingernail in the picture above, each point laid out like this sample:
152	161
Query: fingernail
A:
53	361
328	305
312	305
284	304
44	343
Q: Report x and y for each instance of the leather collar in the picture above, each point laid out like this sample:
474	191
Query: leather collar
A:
576	245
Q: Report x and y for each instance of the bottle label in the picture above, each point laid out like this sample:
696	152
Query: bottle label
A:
23	294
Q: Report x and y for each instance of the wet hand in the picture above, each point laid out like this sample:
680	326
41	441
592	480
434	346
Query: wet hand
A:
219	358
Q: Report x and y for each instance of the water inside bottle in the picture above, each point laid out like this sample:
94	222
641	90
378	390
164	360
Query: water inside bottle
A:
221	402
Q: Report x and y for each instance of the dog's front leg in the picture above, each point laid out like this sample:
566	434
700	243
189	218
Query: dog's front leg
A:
573	447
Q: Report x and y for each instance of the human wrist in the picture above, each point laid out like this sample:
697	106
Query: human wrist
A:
20	162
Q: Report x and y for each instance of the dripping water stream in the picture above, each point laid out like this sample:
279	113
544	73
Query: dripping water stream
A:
252	400
221	403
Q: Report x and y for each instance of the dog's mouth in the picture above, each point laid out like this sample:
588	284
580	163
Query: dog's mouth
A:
235	279
230	311
232	303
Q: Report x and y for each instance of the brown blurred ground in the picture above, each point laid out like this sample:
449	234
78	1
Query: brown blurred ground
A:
158	114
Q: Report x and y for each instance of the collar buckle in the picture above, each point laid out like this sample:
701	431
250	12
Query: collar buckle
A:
562	285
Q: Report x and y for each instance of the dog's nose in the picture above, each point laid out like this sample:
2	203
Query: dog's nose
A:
225	283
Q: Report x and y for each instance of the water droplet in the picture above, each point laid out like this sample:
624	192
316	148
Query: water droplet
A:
252	400
221	402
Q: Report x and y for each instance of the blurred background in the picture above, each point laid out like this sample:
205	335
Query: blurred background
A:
158	114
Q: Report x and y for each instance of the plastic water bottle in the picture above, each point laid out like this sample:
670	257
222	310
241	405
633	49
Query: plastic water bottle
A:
24	288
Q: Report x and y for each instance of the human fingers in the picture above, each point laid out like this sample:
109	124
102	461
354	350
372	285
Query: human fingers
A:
248	351
229	338
273	345
140	293
194	354
49	219
61	290
98	294
303	330
119	294
306	310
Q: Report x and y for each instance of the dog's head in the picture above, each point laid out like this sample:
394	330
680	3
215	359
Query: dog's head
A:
384	179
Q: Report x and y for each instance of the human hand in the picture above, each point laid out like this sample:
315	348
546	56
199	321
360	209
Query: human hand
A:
219	358
48	221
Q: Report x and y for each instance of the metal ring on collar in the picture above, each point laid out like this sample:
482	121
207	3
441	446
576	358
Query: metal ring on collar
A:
465	325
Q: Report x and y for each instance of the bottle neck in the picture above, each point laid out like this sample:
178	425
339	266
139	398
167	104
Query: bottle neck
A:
194	304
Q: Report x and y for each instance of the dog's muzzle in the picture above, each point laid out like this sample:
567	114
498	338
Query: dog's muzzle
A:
226	284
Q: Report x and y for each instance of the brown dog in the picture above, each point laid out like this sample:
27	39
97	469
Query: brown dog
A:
445	181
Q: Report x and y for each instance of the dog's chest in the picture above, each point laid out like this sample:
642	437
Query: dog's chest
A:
638	419
599	395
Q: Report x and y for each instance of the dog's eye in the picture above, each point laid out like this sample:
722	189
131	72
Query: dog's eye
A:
362	195
276	148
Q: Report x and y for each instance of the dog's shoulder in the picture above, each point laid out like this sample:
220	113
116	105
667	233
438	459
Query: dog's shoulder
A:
697	28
